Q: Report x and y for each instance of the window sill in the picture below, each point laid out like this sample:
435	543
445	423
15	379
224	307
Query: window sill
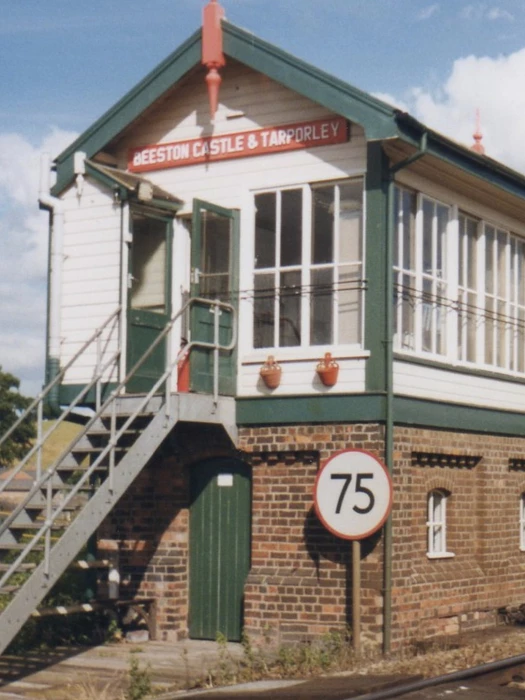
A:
299	354
440	555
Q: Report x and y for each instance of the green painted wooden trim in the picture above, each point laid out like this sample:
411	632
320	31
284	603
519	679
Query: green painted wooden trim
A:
131	106
69	392
433	414
289	410
461	157
435	364
375	267
376	117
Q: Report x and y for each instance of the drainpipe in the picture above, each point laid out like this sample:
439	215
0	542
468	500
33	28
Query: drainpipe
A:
56	232
389	381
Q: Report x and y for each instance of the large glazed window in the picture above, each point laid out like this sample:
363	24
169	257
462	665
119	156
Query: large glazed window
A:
308	266
420	276
459	285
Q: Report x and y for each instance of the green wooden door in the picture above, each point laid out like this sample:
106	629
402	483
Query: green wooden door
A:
220	536
149	297
215	273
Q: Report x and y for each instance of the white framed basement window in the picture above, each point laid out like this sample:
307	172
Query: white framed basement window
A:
522	522
437	525
308	267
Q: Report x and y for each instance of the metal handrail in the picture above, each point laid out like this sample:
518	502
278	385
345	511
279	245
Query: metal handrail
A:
52	514
47	389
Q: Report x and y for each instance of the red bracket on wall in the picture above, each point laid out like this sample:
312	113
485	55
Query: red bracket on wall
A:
212	55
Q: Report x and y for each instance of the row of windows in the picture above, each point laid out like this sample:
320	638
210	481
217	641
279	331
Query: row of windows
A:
437	524
459	282
459	285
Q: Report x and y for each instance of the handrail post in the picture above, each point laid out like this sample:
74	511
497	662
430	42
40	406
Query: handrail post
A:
167	387
216	319
47	540
40	416
112	433
97	372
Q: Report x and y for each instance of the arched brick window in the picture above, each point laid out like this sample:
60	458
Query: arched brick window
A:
437	524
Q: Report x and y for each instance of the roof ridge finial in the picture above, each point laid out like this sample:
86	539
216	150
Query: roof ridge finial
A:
212	54
477	146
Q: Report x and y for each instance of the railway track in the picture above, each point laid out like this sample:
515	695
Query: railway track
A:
498	680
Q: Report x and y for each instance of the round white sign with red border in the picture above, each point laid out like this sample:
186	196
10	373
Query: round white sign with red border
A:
353	494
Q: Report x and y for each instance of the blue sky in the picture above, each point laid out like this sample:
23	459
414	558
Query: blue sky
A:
63	63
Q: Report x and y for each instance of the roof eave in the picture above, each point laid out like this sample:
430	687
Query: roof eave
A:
438	145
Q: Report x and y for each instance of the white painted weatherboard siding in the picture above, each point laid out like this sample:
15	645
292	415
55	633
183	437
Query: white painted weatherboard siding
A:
231	183
299	378
435	384
90	278
264	103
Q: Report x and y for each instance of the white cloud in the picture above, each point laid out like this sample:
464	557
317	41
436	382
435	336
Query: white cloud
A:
392	100
480	11
23	263
499	13
427	12
491	85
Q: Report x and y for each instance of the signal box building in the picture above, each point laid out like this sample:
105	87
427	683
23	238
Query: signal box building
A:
325	222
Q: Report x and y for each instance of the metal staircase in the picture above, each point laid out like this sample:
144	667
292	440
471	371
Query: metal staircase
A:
70	498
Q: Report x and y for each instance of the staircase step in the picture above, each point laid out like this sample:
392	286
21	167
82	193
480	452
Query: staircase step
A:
19	569
33	527
7	590
95	564
19	546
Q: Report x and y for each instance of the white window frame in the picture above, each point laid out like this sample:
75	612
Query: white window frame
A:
434	313
437	525
499	344
306	267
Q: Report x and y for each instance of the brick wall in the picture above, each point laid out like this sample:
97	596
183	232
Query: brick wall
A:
299	584
445	596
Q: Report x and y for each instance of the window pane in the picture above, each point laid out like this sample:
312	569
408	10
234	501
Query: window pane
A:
428	218
216	255
265	226
502	263
489	267
409	227
148	265
323	225
350	221
442	223
472	233
264	312
321	313
290	309
349	306
291	227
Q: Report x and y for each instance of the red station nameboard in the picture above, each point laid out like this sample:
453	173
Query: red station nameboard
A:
258	142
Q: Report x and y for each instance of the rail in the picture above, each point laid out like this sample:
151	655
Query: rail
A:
45	481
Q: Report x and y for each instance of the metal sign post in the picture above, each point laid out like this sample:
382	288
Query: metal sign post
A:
353	498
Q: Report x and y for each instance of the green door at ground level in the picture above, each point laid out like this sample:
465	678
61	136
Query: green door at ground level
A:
220	536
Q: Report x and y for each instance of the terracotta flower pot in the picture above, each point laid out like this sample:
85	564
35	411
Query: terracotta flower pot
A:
328	370
270	373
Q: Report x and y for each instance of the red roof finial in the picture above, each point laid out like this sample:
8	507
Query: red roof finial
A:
212	55
477	146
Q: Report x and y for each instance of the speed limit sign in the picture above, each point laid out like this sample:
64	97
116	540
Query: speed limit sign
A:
353	494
